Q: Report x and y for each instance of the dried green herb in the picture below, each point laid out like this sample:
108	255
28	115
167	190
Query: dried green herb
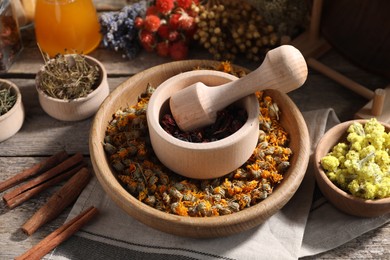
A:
7	99
68	77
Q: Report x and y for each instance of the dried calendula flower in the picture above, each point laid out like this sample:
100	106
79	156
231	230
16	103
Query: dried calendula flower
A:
225	66
68	77
148	180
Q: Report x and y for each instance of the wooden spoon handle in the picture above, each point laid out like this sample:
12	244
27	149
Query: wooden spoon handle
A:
284	68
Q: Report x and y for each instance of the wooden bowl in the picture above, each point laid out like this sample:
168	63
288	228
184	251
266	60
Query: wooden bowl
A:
79	108
12	121
127	93
201	160
342	200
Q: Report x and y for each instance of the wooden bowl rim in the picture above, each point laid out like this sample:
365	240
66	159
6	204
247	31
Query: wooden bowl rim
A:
326	140
119	194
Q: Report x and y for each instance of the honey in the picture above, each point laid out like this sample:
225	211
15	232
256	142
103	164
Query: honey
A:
67	26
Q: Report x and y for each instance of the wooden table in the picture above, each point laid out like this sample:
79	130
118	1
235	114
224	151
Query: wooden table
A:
42	136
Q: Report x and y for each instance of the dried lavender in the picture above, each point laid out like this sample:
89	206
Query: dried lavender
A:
7	99
119	32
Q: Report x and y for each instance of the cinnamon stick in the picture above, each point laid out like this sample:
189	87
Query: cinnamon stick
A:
34	170
22	197
60	168
59	235
58	201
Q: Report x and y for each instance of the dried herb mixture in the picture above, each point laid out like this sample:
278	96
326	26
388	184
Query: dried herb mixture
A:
7	99
229	121
68	77
130	153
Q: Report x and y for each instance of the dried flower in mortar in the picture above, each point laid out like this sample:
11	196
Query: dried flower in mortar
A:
68	77
229	121
7	99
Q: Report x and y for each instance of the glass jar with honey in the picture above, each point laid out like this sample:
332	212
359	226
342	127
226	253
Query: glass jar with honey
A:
66	26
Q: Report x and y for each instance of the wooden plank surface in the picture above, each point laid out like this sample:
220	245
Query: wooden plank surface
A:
42	136
30	60
13	241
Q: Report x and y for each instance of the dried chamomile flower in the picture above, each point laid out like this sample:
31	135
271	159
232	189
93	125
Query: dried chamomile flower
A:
148	180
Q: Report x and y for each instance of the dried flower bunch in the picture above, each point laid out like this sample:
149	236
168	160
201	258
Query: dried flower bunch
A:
289	17
228	29
129	151
119	31
68	77
168	27
7	99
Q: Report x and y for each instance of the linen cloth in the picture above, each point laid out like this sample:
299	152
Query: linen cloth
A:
304	227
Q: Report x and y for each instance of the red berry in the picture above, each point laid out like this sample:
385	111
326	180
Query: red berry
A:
164	6
174	21
178	50
152	23
191	32
185	4
163	31
151	10
173	36
148	40
138	22
186	22
162	48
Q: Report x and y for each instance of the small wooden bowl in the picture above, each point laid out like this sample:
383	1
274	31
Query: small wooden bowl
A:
342	200
75	109
12	121
201	160
127	94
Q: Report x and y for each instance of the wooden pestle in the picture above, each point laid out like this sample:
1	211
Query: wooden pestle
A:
284	68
